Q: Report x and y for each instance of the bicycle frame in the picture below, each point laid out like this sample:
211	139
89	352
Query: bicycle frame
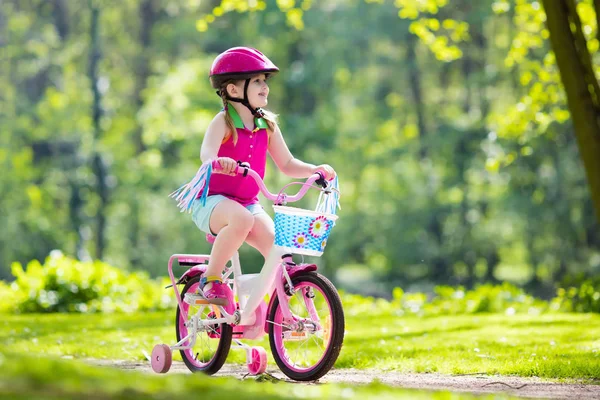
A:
268	281
263	284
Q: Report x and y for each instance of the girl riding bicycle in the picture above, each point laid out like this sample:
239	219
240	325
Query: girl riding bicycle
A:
241	133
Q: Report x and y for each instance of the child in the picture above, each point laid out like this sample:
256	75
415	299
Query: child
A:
241	132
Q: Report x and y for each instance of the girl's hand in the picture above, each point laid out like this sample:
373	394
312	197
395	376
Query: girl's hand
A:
228	165
327	170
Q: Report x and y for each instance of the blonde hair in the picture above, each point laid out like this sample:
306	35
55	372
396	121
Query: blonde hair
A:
269	117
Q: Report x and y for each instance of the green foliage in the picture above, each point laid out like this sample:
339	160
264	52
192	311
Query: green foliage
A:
457	31
505	299
579	295
63	284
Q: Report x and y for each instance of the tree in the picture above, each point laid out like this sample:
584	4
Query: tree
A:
580	83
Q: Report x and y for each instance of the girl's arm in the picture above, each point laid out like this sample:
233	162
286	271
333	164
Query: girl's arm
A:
212	142
285	161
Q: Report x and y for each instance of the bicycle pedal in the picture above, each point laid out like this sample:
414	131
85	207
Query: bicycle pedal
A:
195	299
198	299
292	336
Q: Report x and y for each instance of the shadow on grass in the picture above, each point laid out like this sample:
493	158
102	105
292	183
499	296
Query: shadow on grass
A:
29	326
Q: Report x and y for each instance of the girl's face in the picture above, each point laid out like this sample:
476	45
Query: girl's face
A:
258	90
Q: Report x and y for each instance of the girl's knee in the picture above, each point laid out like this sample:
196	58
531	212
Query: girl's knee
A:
264	227
264	232
242	220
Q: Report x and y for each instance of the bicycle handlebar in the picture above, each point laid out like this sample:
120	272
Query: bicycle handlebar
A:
318	177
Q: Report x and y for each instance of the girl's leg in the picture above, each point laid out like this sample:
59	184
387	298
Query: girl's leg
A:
262	235
231	222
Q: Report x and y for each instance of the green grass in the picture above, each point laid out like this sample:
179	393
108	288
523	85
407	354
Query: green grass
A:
547	346
26	377
553	346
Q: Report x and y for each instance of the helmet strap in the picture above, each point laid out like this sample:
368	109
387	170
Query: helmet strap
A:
256	112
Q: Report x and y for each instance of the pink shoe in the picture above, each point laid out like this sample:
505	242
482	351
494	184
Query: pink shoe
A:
216	294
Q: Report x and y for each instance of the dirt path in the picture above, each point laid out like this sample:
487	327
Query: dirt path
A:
522	387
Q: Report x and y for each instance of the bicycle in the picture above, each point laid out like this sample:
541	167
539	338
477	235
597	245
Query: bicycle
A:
304	318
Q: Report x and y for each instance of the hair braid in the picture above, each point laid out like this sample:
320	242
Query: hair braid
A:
232	132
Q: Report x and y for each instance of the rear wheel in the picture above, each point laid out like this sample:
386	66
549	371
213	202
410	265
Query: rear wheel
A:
306	349
212	343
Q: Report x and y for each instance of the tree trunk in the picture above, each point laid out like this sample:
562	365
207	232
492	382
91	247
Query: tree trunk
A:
3	30
60	14
481	44
99	166
61	18
597	7
148	16
445	78
592	229
466	66
493	259
414	79
581	86
76	204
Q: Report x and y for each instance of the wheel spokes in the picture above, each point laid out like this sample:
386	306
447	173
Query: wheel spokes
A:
205	347
309	307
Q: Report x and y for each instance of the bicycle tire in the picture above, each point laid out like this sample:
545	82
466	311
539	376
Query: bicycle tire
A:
337	334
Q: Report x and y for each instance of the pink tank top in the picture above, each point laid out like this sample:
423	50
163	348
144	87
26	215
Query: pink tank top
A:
251	147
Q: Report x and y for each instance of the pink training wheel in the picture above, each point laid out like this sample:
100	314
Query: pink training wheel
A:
161	358
258	364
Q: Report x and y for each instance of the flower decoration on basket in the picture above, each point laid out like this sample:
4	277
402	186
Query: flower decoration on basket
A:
318	227
323	244
300	240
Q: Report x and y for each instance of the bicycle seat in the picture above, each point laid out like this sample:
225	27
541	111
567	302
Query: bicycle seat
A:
210	238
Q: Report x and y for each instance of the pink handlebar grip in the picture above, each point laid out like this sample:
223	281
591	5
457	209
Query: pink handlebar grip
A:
217	167
273	197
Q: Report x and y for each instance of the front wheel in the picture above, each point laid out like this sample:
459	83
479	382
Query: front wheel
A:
307	348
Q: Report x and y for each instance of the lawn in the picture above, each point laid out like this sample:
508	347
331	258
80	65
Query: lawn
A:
42	355
553	345
31	377
547	346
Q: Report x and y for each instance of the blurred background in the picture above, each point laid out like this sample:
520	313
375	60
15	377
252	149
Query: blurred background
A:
446	122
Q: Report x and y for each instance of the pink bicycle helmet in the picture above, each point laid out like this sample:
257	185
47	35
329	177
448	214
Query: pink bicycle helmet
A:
240	63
